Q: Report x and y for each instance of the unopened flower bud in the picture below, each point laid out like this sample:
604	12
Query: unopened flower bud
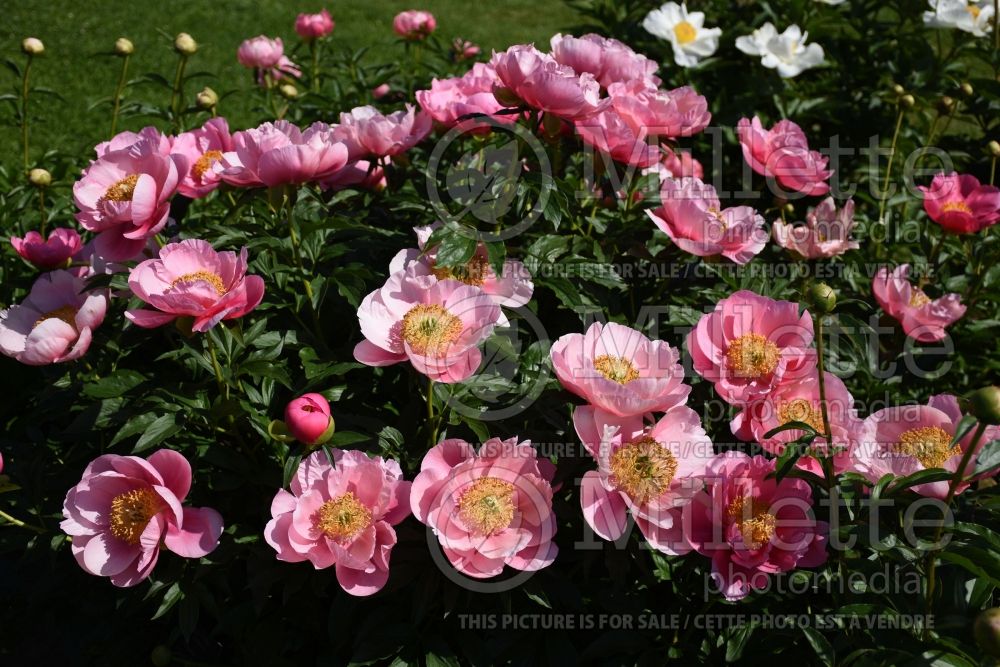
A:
288	91
984	404
967	89
40	178
823	298
946	104
185	45
161	656
907	101
207	98
308	419
994	148
32	46
987	631
507	97
124	46
898	90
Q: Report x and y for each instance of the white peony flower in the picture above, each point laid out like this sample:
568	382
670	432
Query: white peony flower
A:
685	31
787	51
974	17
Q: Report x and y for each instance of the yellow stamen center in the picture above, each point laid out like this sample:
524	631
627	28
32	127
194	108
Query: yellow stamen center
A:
918	299
473	273
752	356
959	206
974	10
131	512
685	33
928	444
205	276
755	522
643	469
205	162
343	517
487	506
65	313
430	329
122	190
801	410
616	369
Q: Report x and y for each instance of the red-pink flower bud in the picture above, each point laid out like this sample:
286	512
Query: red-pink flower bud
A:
308	419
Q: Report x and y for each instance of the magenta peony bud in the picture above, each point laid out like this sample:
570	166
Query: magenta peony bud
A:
308	419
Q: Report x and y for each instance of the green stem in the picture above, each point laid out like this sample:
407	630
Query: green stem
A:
888	169
24	111
20	524
176	96
822	382
41	208
996	30
223	387
306	283
314	50
118	95
993	162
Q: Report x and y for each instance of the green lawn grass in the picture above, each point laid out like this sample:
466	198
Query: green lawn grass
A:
74	32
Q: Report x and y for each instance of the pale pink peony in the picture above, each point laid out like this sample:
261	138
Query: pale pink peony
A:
448	100
619	370
279	153
752	526
960	204
191	279
201	149
650	111
488	508
308	419
127	139
782	153
827	232
367	132
608	133
378	92
691	215
126	507
56	321
341	514
923	319
125	195
414	25
652	474
609	60
909	438
749	344
260	52
49	253
314	26
435	324
533	78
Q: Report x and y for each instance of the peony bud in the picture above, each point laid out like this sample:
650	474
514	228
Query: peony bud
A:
987	631
124	47
185	45
967	89
823	298
946	104
288	91
308	419
207	98
40	178
32	46
984	404
907	101
994	148
898	90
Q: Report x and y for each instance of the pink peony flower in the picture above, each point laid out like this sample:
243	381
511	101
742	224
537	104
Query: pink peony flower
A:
360	173
619	370
414	25
435	324
464	49
782	153
960	204
341	514
56	321
125	195
691	215
201	149
751	526
533	78
827	231
191	279
126	507
314	26
679	164
127	139
285	67
609	60
56	251
799	401
608	133
260	52
922	319
649	111
378	92
749	344
366	132
279	153
651	474
910	438
488	508
308	419
448	100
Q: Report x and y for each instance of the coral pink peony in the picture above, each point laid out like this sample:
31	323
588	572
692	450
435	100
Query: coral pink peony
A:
360	173
827	231
127	139
679	164
414	24
125	195
609	60
448	100
49	253
279	153
378	92
752	526
488	508
749	344
650	111
608	133
126	507
365	131
691	215
960	204
619	370
260	52
308	419
435	324
782	153
341	513
314	26
923	319
533	78
651	474
910	438
201	149
55	322
191	279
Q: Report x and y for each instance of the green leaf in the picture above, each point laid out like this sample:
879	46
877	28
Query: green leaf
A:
116	384
455	250
173	595
821	645
161	429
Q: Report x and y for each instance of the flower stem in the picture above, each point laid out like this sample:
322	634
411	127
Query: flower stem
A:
41	209
118	95
176	97
993	164
20	524
818	319
24	111
223	387
888	169
314	50
306	283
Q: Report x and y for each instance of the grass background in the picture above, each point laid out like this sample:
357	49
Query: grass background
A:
75	33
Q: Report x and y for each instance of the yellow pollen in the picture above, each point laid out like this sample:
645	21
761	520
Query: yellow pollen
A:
918	299
205	162
752	356
959	206
343	517
685	33
473	273
487	506
801	410
122	190
205	276
430	329
756	524
974	10
616	369
65	313
131	512
643	469
928	444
